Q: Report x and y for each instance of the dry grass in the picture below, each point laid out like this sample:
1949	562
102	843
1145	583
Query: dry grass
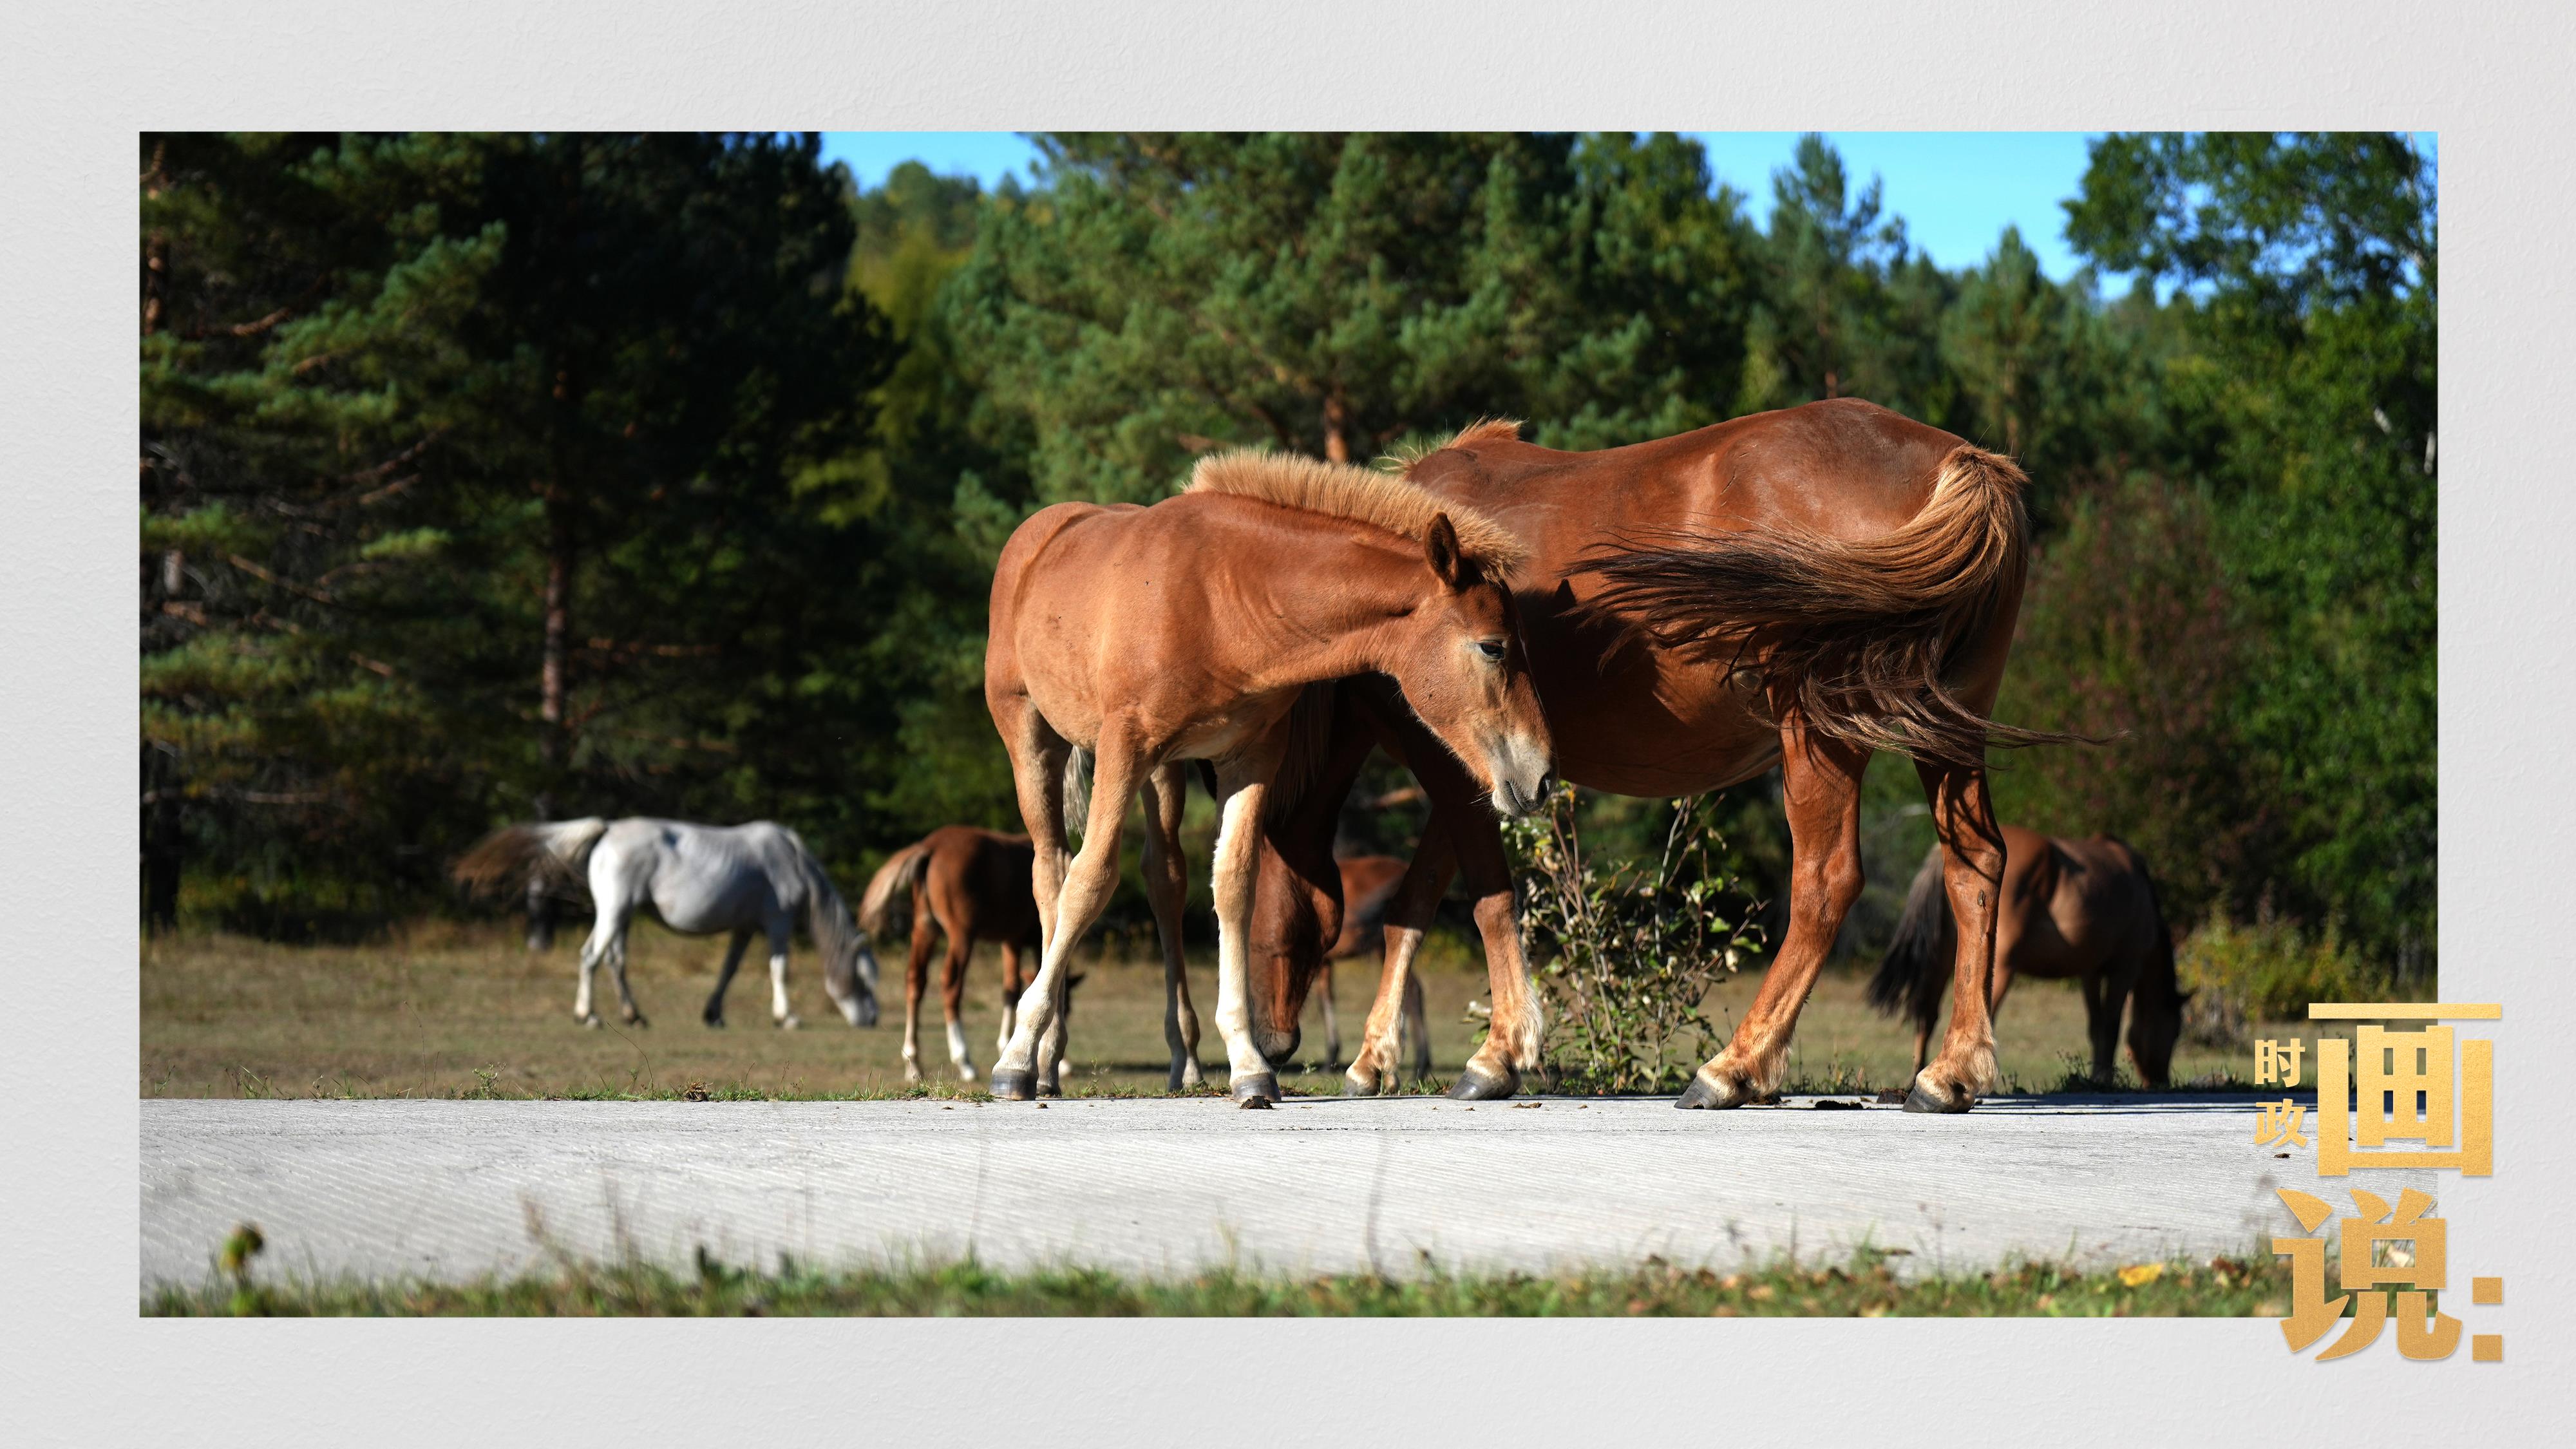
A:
450	1011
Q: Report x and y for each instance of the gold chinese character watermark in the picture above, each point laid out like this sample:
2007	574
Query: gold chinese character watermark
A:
2423	1086
2275	1063
2398	1086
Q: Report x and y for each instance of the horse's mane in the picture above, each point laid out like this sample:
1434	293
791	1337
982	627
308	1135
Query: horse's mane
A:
1362	495
1483	430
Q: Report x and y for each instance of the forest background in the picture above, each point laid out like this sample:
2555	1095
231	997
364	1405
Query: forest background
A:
488	477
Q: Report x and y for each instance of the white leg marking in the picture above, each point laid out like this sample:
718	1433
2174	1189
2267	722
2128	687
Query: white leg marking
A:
957	1052
778	1011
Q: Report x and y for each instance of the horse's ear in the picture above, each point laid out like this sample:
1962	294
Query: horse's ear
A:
1440	549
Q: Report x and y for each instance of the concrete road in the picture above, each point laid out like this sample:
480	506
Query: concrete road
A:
449	1189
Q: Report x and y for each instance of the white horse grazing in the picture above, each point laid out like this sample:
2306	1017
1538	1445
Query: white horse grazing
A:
699	879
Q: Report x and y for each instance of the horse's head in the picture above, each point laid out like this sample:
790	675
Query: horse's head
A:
850	978
2155	1024
1459	660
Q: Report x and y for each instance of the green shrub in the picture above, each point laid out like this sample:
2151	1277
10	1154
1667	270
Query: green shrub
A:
1625	956
2270	970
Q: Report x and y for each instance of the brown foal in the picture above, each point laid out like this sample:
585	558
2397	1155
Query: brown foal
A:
1800	587
2085	909
1147	637
970	885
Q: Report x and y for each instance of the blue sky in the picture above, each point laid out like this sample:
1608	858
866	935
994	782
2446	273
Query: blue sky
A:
1956	190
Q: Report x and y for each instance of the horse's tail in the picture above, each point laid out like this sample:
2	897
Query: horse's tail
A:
902	871
1912	973
1077	789
551	851
1859	636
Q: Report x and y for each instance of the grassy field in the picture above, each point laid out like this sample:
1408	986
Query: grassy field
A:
2222	1287
448	1011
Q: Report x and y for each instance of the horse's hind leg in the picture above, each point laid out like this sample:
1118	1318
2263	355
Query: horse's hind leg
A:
606	935
617	966
1012	984
1820	786
1417	1024
916	979
714	1014
1037	1042
1972	871
1166	884
952	995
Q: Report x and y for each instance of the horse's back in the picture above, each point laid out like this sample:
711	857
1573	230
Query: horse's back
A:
1843	468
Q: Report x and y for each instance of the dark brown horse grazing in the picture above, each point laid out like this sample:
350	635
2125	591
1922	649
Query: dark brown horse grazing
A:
1800	587
1369	884
1191	630
972	885
2080	908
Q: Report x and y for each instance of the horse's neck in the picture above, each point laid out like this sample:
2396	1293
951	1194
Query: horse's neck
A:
1330	619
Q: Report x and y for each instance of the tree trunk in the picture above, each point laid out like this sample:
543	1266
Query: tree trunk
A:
558	625
1337	425
162	844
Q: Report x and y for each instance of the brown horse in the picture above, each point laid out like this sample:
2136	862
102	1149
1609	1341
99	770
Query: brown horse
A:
1369	884
1147	637
2080	908
972	885
1802	587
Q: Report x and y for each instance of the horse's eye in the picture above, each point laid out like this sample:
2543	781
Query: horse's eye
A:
1493	651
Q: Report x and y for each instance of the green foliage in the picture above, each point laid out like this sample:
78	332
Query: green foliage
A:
1332	294
2270	970
1626	954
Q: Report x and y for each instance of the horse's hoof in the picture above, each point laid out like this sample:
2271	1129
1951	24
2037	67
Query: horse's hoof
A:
1353	1086
1050	1089
715	1023
592	1021
965	1071
1009	1086
1477	1085
1700	1096
788	1023
1256	1089
1919	1100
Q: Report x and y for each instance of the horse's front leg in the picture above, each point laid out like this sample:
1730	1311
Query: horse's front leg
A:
1514	1033
1378	1064
1243	789
780	931
1037	1041
1166	887
1820	787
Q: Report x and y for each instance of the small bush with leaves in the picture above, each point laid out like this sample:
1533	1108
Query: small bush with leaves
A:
2270	970
1627	954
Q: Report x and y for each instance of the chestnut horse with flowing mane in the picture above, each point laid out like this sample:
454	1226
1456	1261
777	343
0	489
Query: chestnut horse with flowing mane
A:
1143	638
2085	909
1802	587
970	885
